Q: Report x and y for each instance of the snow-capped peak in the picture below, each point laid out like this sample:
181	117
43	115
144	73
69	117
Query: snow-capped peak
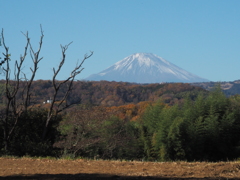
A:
145	68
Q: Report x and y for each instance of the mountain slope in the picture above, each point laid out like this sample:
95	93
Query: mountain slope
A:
145	68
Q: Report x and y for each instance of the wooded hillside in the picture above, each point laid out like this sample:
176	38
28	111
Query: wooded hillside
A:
110	93
117	120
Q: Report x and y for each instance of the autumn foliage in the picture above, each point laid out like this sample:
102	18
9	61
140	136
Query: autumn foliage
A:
116	120
106	93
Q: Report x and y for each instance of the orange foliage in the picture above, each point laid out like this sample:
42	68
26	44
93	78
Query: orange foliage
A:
130	111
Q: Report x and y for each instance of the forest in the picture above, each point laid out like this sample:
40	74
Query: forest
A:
118	120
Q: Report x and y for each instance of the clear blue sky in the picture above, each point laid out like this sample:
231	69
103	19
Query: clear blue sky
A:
200	36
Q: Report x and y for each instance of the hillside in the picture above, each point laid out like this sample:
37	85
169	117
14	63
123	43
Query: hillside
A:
127	121
111	93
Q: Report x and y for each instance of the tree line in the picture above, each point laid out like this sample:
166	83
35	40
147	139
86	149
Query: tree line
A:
104	93
204	129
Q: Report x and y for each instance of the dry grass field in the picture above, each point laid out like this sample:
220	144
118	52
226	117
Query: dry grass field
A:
33	168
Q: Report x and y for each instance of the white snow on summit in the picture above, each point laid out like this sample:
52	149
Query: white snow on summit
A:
145	68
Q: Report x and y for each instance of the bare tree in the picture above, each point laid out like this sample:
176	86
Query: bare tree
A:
16	106
62	103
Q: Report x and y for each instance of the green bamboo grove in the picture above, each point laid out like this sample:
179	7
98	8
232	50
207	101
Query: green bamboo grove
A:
205	129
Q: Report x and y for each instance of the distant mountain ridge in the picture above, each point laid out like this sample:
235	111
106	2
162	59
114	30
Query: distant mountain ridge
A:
145	68
229	88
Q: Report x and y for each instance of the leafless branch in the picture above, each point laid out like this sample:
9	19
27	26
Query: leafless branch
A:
35	58
57	85
14	107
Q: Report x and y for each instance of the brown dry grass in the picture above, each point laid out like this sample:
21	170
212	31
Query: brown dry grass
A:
27	168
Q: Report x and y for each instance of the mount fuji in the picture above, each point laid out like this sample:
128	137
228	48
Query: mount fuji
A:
145	68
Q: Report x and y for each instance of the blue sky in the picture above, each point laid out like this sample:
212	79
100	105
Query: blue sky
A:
200	36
